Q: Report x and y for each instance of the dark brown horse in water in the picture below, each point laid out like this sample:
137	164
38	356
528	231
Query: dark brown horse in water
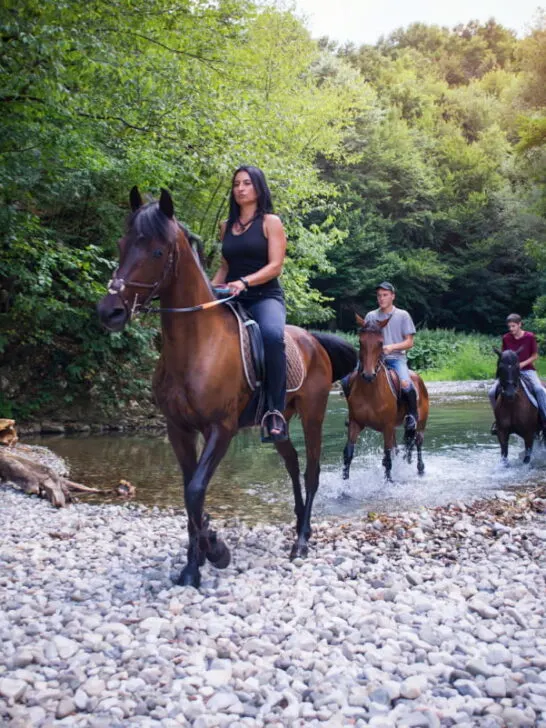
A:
372	402
199	383
514	412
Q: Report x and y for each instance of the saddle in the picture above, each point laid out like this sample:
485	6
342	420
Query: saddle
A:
394	383
253	359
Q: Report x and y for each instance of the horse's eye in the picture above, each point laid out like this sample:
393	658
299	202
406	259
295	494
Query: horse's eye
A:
157	253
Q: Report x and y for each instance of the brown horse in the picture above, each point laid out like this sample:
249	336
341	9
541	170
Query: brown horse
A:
199	383
373	404
514	412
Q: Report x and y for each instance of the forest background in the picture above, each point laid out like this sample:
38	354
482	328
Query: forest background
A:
420	159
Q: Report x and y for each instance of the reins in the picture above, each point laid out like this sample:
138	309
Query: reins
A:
189	309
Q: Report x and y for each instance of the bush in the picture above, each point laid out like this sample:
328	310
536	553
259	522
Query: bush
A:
448	354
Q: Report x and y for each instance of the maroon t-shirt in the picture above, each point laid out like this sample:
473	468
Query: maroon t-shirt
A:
527	343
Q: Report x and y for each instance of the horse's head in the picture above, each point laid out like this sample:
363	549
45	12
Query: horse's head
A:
508	372
370	355
147	254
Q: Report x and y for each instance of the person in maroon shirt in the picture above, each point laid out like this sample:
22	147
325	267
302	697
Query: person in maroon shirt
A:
525	344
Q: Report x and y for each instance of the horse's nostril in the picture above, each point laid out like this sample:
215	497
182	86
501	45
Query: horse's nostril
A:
113	319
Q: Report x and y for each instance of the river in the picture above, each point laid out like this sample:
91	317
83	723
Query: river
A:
462	462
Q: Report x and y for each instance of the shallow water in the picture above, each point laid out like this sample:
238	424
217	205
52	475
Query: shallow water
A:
462	462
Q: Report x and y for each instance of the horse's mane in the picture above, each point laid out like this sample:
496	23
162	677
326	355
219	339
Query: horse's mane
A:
507	357
149	221
371	327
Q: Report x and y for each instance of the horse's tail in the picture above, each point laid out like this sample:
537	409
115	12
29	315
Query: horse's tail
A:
343	355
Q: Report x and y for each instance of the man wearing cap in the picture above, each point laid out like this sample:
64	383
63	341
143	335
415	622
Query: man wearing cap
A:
397	340
524	343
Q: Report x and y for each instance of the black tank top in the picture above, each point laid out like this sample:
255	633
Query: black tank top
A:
247	253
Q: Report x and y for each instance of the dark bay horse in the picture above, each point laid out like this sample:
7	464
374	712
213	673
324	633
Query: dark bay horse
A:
372	402
199	383
514	412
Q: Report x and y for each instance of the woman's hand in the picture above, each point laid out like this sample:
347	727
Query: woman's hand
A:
236	287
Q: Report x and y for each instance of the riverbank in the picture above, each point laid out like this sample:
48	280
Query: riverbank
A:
431	618
144	416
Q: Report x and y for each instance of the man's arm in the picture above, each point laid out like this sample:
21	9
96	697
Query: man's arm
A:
530	360
405	345
534	353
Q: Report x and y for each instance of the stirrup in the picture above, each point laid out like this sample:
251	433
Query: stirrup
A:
265	427
410	423
494	430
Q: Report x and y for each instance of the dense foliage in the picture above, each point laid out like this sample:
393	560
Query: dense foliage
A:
420	159
446	197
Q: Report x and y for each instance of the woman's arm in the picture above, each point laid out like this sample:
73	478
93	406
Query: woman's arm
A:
276	251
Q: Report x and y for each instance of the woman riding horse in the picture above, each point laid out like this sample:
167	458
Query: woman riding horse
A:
253	252
200	383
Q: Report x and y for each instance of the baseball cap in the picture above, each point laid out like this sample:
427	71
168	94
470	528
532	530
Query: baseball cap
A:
386	286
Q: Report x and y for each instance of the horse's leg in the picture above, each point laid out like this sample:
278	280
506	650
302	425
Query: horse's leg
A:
288	453
312	417
217	440
349	450
503	436
409	443
528	440
419	443
388	444
184	444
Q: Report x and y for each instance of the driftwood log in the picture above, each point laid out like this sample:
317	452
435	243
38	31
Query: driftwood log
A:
19	465
37	479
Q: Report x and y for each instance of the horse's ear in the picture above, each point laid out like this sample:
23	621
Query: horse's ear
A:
498	352
135	199
360	321
519	350
382	324
166	203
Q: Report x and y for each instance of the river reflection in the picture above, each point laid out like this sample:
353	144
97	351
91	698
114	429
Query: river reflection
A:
461	460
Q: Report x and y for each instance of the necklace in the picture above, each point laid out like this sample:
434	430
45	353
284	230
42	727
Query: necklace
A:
244	225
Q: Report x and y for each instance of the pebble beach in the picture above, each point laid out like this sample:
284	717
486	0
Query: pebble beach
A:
431	618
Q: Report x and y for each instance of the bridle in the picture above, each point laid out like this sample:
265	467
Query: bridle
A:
117	285
380	364
513	382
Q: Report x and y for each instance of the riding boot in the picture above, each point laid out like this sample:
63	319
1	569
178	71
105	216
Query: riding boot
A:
410	421
344	381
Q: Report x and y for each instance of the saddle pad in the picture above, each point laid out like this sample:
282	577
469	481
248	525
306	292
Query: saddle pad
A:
530	396
394	382
295	368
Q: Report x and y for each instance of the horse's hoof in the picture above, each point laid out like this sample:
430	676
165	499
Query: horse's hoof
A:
299	551
219	554
421	470
526	460
345	475
189	577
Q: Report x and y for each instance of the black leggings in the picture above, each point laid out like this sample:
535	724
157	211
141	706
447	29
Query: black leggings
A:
270	314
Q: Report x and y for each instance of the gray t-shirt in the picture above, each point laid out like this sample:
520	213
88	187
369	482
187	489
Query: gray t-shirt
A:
400	325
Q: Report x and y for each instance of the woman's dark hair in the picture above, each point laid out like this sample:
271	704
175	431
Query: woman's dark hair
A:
257	177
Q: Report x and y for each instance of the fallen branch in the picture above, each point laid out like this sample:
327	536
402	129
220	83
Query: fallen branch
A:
37	479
